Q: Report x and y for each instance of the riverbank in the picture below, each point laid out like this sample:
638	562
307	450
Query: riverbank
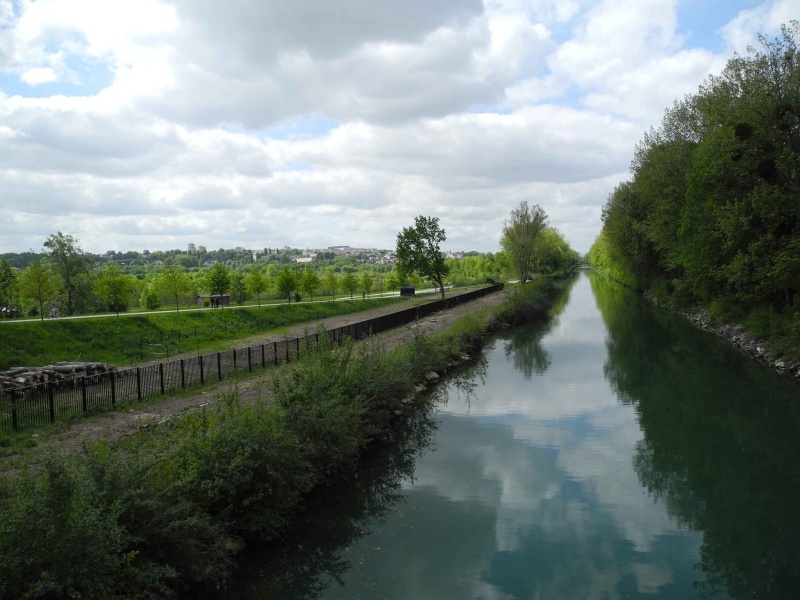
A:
161	512
736	335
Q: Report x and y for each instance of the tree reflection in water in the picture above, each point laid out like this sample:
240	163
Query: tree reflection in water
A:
721	445
310	556
523	344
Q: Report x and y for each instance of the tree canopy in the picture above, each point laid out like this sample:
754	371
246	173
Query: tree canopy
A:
418	250
712	210
520	239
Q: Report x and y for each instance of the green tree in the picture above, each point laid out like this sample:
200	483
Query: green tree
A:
520	235
218	280
331	282
257	283
39	284
174	283
8	285
350	283
367	281
392	282
149	298
71	263
238	288
309	282
287	282
114	287
418	250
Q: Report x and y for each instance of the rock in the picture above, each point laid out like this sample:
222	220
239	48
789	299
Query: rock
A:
465	357
398	412
780	365
432	376
407	400
419	388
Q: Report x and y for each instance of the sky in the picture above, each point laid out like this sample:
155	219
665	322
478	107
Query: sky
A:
152	124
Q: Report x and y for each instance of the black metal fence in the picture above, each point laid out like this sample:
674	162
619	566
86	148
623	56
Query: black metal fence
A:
42	403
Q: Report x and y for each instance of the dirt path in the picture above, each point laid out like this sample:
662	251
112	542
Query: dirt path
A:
67	437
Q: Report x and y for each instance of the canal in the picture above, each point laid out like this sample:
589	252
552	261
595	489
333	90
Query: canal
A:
614	452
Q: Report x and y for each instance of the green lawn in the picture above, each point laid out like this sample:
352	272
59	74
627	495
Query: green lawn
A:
136	338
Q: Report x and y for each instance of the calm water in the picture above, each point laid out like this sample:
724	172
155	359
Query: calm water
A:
613	453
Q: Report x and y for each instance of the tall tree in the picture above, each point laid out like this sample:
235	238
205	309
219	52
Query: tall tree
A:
309	282
114	287
8	285
350	283
287	282
218	280
520	235
40	284
392	282
331	283
238	288
418	250
70	262
257	284
173	282
367	282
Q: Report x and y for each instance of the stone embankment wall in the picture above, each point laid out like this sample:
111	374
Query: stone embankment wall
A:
737	336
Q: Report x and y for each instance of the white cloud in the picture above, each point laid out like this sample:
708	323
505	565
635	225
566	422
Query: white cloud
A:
457	108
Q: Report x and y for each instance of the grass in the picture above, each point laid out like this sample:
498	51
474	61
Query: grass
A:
132	339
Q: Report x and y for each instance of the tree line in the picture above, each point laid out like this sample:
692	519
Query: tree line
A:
711	213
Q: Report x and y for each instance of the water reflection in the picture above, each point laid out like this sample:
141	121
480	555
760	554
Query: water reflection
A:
523	344
313	555
721	445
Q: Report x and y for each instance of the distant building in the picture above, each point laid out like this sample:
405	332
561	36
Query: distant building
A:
145	252
201	248
339	249
191	248
303	259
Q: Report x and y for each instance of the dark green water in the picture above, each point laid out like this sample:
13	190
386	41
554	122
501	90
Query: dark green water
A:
613	453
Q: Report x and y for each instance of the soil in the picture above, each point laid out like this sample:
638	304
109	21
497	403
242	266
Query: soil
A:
66	437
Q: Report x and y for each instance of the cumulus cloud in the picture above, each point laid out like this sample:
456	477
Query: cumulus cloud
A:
347	119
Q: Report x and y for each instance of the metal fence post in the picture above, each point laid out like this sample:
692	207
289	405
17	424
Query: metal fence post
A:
51	401
263	357
200	358
183	376
138	383
14	422
113	389
219	367
234	359
83	394
249	360
275	352
161	376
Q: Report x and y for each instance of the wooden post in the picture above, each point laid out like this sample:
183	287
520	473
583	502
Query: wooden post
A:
297	340
286	348
275	352
263	357
234	360
249	360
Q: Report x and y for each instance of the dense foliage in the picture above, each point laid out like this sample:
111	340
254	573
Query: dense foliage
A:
712	211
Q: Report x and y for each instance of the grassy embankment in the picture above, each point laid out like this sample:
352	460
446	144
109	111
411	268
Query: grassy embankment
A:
157	515
128	340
